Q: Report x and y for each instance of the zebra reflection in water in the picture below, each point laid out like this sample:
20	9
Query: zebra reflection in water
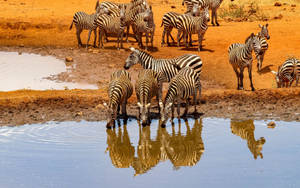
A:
245	130
182	148
121	152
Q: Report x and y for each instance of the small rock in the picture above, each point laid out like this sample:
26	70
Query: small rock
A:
122	50
21	45
111	66
293	5
69	59
95	51
20	53
271	125
278	17
173	6
277	4
90	50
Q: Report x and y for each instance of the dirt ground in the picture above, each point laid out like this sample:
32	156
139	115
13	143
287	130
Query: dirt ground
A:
42	27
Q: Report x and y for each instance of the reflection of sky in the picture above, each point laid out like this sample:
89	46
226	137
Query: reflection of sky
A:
27	71
72	154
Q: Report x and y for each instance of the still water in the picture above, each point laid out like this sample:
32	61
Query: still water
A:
29	71
205	152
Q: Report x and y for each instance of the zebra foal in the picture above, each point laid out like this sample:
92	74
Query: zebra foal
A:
185	84
147	86
212	4
287	73
192	25
110	24
240	56
119	91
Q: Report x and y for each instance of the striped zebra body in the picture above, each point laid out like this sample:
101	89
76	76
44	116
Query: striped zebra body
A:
109	5
245	130
148	85
169	21
144	23
212	4
168	67
84	21
192	25
120	89
288	72
185	84
263	37
240	56
111	25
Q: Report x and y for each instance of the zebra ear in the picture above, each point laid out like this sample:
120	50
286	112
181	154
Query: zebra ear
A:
161	105
133	49
259	25
148	105
267	25
97	4
105	105
139	104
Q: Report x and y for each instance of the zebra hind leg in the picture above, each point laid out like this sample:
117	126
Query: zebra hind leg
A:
250	76
78	32
238	77
95	35
216	17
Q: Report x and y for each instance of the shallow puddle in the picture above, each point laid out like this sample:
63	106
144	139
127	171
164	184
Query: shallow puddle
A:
29	71
200	153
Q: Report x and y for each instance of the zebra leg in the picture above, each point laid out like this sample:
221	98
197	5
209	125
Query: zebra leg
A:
200	37
78	32
178	108
147	39
195	99
185	35
238	77
100	39
122	34
171	35
242	79
163	37
124	114
216	17
127	33
87	43
186	107
178	37
212	17
250	76
191	42
95	34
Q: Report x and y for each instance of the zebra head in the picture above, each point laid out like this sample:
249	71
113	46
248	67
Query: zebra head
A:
133	58
144	112
148	17
164	112
111	115
254	42
195	10
122	8
277	78
264	31
204	13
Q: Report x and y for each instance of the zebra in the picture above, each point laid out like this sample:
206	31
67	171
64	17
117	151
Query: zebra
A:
168	67
263	37
121	151
240	56
109	24
192	25
148	85
212	4
84	21
245	130
144	23
169	21
287	73
108	4
119	91
185	84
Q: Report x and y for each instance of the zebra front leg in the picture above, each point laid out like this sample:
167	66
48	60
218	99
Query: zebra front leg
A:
200	37
178	108
163	37
87	43
250	76
178	38
216	17
238	77
195	100
186	107
100	39
127	33
191	41
124	112
147	40
241	79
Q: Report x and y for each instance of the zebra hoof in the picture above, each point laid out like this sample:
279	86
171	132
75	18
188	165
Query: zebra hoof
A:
253	89
218	24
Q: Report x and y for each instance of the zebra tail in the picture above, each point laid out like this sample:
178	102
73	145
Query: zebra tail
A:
162	23
71	25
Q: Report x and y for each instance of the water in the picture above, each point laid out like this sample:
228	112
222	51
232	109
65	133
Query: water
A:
29	71
197	153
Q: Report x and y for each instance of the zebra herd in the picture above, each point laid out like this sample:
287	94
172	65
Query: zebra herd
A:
183	72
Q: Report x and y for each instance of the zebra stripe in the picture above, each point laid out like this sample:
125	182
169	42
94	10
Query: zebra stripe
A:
288	72
168	67
147	86
185	84
245	130
192	25
119	90
263	37
240	56
84	21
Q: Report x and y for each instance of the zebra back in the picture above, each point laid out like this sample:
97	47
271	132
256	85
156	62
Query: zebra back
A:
84	20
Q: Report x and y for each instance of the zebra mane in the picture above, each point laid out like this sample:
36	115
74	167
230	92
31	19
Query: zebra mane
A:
248	38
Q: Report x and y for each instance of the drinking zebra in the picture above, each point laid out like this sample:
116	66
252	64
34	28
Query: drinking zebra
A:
168	67
169	21
109	24
212	4
287	73
192	25
240	56
120	89
144	23
185	84
148	85
263	37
